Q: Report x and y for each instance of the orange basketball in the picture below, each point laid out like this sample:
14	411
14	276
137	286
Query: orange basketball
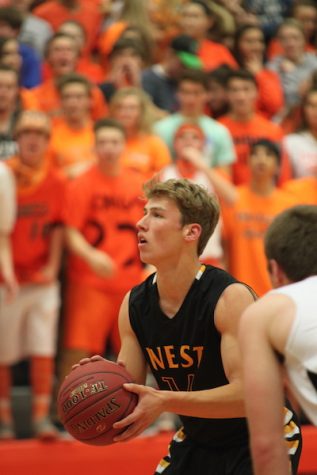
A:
92	398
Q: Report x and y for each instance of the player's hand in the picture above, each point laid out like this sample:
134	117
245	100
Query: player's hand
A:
149	407
87	360
101	263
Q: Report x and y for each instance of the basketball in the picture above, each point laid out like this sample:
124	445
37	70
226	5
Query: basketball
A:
91	399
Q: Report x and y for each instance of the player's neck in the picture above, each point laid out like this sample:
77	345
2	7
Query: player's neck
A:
173	283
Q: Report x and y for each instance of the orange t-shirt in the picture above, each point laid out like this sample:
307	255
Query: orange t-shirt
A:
87	14
85	66
214	54
38	211
28	100
246	133
72	150
270	93
105	210
49	101
244	227
107	40
304	189
147	154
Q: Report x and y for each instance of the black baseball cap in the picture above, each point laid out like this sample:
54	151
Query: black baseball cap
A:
185	48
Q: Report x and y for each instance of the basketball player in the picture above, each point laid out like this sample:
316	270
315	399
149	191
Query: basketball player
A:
182	322
282	326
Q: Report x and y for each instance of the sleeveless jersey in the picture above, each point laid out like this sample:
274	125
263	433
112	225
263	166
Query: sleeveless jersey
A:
301	347
183	352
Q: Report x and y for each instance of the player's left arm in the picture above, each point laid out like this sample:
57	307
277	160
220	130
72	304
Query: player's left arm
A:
263	389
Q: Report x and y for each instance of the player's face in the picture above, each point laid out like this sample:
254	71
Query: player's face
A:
160	232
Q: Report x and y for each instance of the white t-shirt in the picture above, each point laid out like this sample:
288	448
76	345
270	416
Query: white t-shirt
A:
301	347
7	199
301	149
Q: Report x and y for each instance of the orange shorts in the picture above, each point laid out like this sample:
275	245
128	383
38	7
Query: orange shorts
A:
91	319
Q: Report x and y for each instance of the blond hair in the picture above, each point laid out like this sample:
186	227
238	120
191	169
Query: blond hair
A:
147	110
194	202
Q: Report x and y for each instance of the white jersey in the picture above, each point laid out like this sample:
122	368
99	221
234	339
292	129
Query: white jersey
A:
301	347
213	249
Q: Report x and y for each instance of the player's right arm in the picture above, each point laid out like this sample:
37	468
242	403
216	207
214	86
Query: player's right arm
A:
130	355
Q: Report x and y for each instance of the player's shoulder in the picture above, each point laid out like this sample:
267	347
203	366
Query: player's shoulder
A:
236	292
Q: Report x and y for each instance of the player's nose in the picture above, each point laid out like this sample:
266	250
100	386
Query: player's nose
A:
141	224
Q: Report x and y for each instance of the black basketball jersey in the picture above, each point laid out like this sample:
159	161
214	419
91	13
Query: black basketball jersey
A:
183	352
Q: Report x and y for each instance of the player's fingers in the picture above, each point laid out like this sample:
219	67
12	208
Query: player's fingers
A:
133	431
96	358
133	388
121	363
130	419
84	361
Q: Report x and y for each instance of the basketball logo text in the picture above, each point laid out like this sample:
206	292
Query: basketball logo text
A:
111	407
82	392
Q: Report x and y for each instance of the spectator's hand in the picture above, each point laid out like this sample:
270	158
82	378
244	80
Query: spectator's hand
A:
254	63
133	73
11	287
195	157
101	264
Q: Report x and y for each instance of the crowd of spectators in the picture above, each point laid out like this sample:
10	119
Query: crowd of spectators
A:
96	98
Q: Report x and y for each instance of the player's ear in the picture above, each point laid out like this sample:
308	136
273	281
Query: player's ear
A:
192	232
277	275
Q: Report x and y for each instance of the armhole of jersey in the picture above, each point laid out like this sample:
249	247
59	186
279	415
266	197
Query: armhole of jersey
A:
252	292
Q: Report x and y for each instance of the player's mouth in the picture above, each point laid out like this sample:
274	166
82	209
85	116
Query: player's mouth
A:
141	240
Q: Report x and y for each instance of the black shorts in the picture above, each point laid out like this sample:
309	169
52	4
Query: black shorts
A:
188	458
